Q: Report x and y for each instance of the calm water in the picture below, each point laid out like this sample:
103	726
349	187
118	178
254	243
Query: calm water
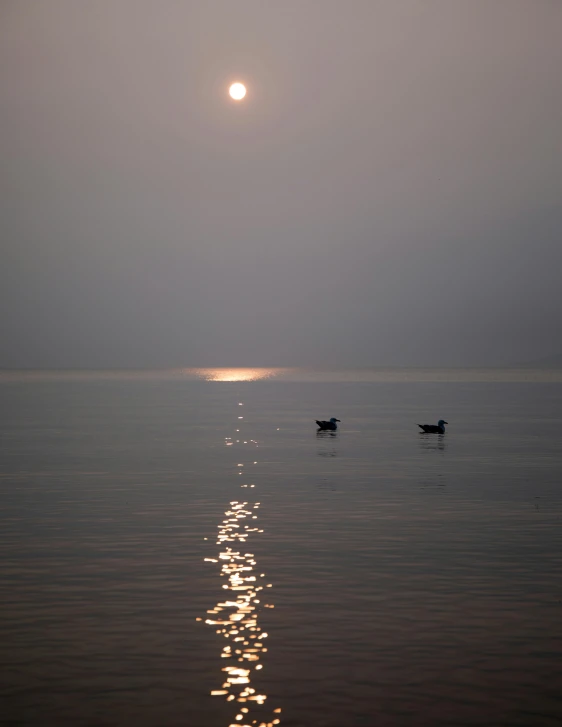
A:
156	548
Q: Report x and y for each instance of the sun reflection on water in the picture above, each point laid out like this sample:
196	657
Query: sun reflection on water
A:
235	617
254	374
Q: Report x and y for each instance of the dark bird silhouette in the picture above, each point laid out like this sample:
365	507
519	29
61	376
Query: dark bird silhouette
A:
330	426
438	428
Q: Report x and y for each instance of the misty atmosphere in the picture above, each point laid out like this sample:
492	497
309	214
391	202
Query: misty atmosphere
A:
280	363
388	192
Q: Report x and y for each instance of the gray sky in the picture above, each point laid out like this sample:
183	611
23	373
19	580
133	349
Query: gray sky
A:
390	192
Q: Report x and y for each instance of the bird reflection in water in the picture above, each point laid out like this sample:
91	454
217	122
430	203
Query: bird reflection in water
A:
236	617
430	441
326	444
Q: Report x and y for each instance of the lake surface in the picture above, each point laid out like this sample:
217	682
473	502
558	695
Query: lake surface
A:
167	535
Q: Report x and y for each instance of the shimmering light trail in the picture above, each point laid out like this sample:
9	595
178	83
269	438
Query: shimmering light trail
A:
235	617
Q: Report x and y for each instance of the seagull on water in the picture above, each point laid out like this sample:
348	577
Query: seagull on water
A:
330	426
439	428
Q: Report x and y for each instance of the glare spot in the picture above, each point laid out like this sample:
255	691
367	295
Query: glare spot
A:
237	91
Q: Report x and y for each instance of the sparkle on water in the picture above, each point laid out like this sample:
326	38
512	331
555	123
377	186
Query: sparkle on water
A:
236	619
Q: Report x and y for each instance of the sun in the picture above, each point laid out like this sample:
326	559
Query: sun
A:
237	91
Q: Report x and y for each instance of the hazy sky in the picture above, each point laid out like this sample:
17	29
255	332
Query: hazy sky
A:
390	191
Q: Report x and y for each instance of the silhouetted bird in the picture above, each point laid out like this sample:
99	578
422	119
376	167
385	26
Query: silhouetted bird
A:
331	426
438	428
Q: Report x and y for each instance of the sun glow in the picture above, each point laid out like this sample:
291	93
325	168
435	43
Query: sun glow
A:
237	91
236	374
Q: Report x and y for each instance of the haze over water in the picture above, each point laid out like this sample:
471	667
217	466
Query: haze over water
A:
388	191
400	578
178	545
